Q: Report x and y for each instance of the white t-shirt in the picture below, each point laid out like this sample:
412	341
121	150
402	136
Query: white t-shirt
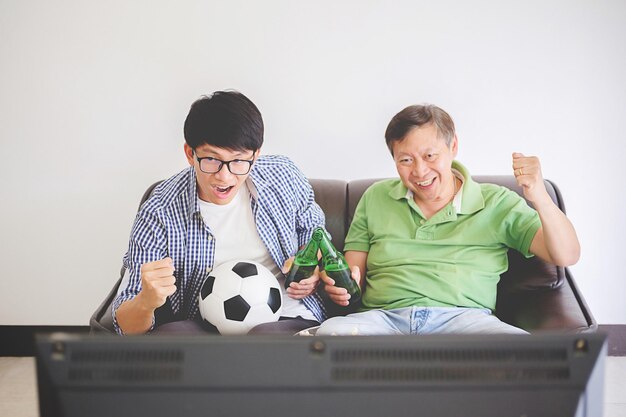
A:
236	238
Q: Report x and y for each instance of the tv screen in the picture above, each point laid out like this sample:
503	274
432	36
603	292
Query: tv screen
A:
549	375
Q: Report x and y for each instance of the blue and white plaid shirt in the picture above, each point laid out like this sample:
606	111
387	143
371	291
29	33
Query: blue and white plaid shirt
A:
170	224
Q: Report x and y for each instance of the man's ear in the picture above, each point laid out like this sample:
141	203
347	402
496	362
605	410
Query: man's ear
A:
454	146
189	154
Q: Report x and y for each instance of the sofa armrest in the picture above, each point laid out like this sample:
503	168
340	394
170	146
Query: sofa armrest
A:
101	320
560	308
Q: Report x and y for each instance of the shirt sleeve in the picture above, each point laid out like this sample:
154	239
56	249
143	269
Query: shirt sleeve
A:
518	222
148	243
358	237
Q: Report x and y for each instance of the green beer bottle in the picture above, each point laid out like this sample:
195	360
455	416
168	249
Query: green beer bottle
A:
305	261
337	268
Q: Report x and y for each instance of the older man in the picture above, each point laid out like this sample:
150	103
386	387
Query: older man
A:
429	247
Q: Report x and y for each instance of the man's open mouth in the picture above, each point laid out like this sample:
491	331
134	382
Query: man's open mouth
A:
222	190
426	183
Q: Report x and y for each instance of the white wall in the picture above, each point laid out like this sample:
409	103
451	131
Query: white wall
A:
93	96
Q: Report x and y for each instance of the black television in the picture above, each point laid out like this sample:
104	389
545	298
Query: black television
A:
551	375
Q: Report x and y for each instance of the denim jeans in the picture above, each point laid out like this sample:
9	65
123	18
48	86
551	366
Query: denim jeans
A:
417	320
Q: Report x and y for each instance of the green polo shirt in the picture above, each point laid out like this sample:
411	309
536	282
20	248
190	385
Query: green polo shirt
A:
455	258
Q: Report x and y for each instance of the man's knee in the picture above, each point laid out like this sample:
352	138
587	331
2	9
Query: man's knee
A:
333	327
353	326
485	322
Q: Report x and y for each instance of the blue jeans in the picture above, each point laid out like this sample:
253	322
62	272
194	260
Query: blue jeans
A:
417	320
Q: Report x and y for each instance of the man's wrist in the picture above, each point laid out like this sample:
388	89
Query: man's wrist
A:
142	305
543	203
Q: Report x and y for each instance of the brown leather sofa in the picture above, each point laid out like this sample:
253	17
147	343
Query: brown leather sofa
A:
532	294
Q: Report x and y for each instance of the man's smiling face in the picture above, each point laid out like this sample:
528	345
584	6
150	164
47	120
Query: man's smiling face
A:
424	164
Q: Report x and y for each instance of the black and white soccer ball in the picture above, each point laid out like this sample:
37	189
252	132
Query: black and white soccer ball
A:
238	295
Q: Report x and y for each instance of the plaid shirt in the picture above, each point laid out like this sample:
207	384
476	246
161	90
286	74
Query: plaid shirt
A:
170	224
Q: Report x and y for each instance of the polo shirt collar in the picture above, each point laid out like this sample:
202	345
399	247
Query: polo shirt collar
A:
471	194
398	191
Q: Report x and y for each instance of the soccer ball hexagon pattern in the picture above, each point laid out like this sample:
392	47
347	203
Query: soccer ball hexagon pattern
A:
238	295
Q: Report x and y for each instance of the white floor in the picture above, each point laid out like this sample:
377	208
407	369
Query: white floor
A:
18	390
615	387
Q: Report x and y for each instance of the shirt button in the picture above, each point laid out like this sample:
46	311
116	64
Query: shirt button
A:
422	221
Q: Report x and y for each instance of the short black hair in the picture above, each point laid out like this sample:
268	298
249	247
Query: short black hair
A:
416	116
226	119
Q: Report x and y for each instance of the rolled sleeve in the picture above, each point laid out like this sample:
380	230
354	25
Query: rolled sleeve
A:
148	243
358	237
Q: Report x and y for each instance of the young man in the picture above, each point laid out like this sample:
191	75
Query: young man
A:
230	203
430	247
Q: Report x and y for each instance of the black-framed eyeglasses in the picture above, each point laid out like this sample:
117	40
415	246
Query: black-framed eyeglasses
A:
212	165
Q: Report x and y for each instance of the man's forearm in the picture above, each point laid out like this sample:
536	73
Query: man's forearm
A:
133	318
559	236
358	258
